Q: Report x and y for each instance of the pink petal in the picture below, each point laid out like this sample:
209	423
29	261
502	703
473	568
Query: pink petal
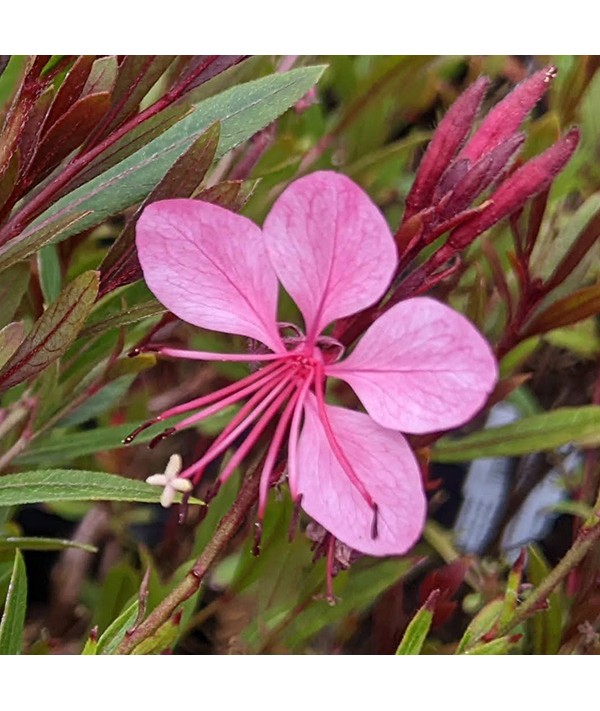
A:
331	248
210	267
421	367
385	464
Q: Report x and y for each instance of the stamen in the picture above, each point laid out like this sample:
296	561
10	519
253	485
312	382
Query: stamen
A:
294	437
335	446
257	379
263	384
222	392
232	357
274	447
259	428
223	442
159	437
375	522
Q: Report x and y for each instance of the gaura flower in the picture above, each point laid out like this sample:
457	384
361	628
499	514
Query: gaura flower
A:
421	367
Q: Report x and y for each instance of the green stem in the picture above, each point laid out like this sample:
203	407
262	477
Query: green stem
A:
588	535
227	528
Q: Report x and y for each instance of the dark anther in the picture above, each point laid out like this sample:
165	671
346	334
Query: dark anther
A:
159	437
375	523
130	437
257	538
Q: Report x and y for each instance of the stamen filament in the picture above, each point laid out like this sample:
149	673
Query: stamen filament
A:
273	451
335	446
208	356
218	447
259	428
231	400
295	436
222	392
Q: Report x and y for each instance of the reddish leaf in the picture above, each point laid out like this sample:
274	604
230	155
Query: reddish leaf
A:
121	265
31	133
231	194
572	308
70	90
69	132
136	76
102	77
506	117
201	68
447	140
10	337
53	332
8	178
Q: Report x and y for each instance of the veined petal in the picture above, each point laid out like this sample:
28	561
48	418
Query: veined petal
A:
386	466
210	267
420	367
331	248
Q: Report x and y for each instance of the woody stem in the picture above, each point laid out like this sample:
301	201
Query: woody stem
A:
227	528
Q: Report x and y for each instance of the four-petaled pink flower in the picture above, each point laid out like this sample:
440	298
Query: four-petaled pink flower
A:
421	367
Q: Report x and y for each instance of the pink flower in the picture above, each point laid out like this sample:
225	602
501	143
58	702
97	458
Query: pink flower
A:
421	367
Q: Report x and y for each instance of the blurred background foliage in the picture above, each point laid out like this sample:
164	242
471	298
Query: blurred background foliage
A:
75	164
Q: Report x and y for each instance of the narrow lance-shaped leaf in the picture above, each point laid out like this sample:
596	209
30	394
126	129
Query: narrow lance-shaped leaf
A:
242	111
135	77
70	90
537	433
54	331
121	264
46	234
418	629
75	485
69	132
49	272
13	618
36	543
572	308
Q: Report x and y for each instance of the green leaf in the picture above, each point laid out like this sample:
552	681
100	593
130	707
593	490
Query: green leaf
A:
73	485
50	275
119	586
53	332
13	618
363	587
12	287
546	431
418	629
482	623
124	318
42	544
501	645
110	640
121	265
11	337
242	111
546	625
33	239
